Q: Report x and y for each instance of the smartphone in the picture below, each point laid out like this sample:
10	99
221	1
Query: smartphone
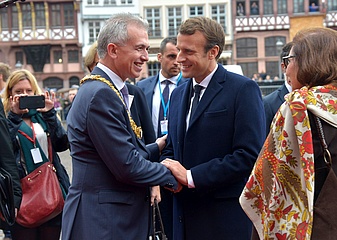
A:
32	102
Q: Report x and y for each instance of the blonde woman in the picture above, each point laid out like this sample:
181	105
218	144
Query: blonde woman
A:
29	129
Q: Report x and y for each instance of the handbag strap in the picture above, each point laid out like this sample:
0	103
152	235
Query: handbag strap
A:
326	152
156	211
159	216
50	149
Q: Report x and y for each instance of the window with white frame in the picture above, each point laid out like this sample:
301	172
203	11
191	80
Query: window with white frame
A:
92	2
218	13
196	11
174	18
332	5
125	2
94	28
298	6
268	7
152	15
282	7
153	68
109	2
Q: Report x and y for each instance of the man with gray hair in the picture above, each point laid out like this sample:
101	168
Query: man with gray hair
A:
110	196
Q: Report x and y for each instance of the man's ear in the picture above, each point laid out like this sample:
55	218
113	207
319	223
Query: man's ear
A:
112	50
159	57
214	52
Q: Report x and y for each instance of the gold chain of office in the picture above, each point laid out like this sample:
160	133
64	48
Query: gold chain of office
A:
137	130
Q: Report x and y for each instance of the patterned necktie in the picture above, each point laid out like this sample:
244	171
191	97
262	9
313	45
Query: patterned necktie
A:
165	96
197	90
125	94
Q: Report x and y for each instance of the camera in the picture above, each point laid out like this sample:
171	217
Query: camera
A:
32	102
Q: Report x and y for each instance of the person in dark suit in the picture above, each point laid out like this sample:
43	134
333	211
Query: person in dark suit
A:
212	145
109	197
139	109
274	100
170	70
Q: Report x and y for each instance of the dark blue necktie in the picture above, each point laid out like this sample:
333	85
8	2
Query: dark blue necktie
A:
165	95
197	90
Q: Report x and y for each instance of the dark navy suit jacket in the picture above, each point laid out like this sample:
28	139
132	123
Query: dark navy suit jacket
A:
220	147
141	113
109	194
272	103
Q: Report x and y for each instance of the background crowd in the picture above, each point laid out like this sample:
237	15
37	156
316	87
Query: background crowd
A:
223	162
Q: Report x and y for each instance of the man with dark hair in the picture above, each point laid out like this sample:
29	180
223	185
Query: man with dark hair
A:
274	100
154	89
169	78
216	130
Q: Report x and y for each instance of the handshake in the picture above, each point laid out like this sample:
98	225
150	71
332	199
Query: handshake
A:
178	171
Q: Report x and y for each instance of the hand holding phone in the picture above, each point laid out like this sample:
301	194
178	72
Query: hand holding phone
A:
32	102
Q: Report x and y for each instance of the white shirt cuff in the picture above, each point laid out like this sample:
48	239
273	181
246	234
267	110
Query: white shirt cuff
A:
190	181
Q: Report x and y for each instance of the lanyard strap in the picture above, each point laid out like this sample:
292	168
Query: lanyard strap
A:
166	106
33	140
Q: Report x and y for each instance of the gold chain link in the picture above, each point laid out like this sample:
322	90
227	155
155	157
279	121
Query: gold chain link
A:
137	130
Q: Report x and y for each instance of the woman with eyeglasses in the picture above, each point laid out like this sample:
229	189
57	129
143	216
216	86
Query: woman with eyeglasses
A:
291	192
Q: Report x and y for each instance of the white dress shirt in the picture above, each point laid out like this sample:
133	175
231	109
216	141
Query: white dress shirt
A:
156	101
203	83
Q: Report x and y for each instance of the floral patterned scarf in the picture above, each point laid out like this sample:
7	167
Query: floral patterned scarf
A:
279	194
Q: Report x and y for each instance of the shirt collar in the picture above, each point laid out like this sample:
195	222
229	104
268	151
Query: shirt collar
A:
117	81
172	79
207	79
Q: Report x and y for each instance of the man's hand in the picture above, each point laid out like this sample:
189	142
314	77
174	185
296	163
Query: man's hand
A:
161	142
177	170
155	194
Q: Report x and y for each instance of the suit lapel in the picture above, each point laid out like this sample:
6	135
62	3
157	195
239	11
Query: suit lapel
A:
150	90
283	91
139	143
181	118
213	88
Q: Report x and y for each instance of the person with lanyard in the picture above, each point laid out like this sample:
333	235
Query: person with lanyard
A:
157	91
164	104
158	95
36	134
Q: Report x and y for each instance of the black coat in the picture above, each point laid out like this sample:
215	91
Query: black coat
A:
7	158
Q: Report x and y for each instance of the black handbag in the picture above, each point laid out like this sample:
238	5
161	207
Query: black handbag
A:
325	210
7	207
157	234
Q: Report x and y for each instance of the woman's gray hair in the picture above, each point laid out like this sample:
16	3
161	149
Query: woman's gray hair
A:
115	31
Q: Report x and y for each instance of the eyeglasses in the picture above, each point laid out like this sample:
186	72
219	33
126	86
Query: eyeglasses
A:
286	60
